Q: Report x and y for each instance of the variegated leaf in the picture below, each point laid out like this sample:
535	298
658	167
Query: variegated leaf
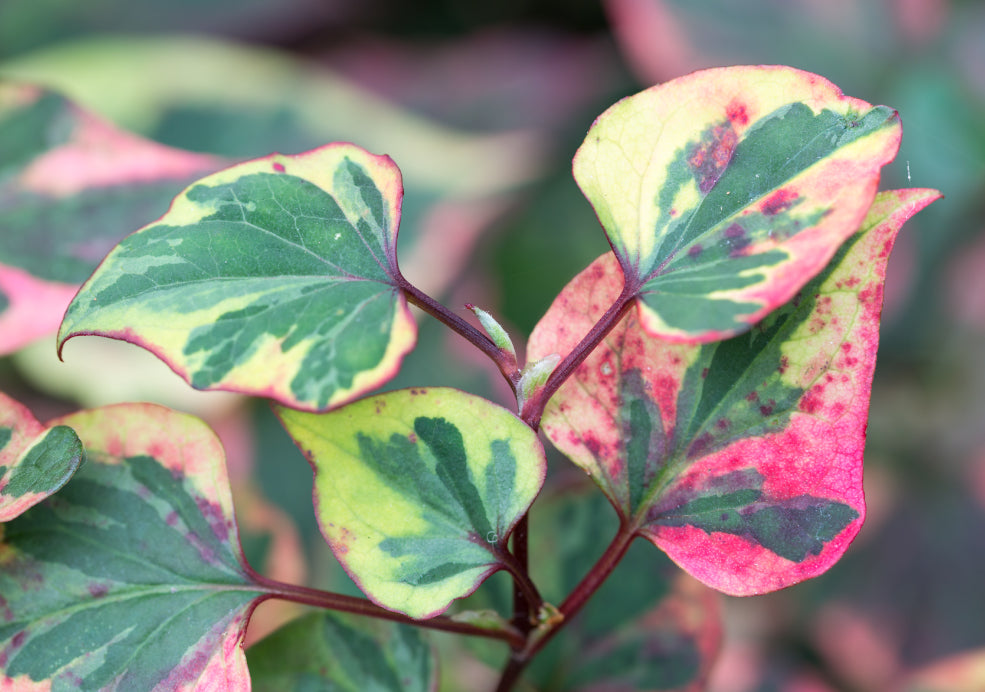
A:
741	459
71	187
131	577
417	491
275	277
34	461
329	651
724	191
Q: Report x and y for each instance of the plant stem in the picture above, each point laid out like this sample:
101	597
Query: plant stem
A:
533	410
361	606
575	601
456	323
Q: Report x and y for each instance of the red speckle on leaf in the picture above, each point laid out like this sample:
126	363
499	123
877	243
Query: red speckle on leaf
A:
784	364
812	400
735	231
694	250
766	410
752	396
779	201
171	519
412	438
98	590
18	639
704	373
279	167
737	114
700	444
723	424
709	158
213	514
592	444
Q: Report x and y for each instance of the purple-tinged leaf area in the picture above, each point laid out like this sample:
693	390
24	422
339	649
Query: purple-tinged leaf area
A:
742	459
332	651
649	627
72	186
131	577
724	191
277	277
35	461
417	491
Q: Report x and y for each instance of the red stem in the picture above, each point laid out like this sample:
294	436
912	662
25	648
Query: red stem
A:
361	606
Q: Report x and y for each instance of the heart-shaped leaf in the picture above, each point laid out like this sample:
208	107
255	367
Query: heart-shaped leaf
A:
275	277
724	191
34	461
416	491
741	459
131	577
72	186
330	651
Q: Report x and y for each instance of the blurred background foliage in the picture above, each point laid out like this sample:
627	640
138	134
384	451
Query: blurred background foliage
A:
482	106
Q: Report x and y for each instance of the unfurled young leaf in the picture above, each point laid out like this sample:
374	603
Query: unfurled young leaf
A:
417	491
741	459
328	651
131	577
71	187
724	191
34	461
275	277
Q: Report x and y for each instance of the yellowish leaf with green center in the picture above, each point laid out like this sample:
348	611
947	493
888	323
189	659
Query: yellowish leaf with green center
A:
417	491
277	277
723	192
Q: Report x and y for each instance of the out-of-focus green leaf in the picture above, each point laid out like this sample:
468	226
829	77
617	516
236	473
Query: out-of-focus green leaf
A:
417	491
277	277
326	651
71	186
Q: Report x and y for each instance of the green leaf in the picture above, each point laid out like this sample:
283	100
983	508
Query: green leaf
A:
724	191
72	186
34	461
649	627
417	491
131	577
740	459
277	277
330	651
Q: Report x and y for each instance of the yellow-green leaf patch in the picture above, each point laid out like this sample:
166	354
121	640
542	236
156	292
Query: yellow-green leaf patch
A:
277	277
740	459
72	186
724	191
35	461
131	577
416	491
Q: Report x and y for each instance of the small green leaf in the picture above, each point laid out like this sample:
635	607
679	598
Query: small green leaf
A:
72	186
741	459
417	491
724	191
131	577
327	651
34	462
277	277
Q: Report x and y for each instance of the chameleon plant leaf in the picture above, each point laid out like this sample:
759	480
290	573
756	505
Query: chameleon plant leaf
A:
276	277
131	577
35	461
416	491
71	185
741	459
724	191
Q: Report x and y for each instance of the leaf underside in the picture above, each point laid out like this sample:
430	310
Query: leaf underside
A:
740	459
276	277
724	191
416	491
130	577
